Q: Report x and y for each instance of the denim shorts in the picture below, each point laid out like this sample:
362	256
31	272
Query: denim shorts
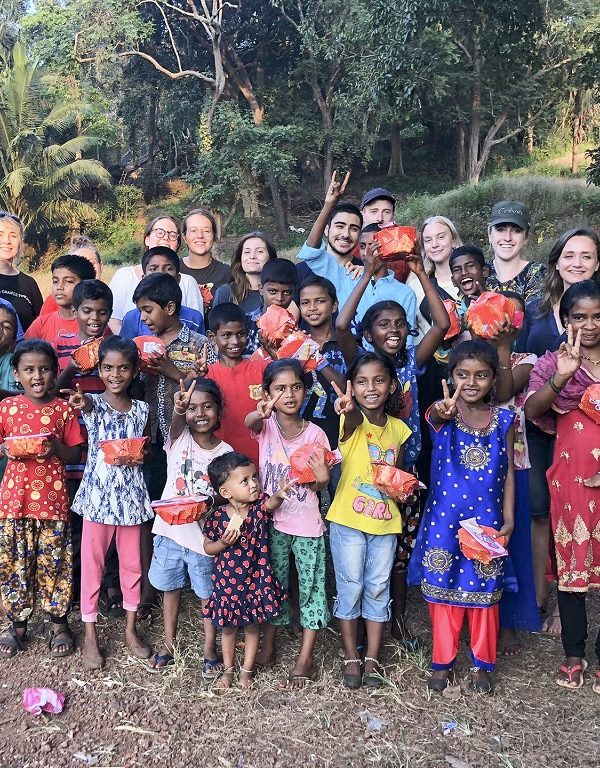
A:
174	567
363	564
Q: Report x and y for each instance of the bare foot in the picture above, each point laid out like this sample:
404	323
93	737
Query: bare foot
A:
137	647
265	658
225	680
552	625
246	679
91	656
509	644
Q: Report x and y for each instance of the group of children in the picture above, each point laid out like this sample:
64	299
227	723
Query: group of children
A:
222	422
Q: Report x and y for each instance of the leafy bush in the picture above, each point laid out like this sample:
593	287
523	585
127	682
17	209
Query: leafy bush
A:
555	205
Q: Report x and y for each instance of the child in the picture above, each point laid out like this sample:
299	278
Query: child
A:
469	273
165	260
318	304
385	327
278	280
158	297
179	552
35	540
558	382
382	285
67	272
239	378
471	477
112	498
8	337
297	527
257	595
364	521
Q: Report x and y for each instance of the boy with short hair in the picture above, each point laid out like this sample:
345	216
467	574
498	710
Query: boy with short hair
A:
278	280
239	378
318	304
383	285
166	261
67	272
469	272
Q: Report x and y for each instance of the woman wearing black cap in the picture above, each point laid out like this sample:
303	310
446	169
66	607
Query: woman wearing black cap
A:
508	231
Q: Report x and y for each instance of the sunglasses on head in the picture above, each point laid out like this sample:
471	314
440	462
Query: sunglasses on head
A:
7	215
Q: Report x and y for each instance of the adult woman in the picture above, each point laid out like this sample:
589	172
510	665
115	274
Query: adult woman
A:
162	230
17	288
251	254
508	231
200	233
574	257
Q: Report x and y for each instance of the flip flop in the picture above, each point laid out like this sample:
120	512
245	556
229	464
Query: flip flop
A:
283	684
57	638
570	672
211	668
13	642
160	663
373	679
351	680
114	606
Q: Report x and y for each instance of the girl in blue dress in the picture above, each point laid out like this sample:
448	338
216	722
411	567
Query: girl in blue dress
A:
385	329
472	475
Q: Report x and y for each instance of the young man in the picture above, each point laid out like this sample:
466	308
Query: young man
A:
239	378
67	272
318	304
166	261
200	232
383	284
377	207
278	280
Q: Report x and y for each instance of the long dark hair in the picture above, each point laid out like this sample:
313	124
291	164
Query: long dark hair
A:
394	402
240	285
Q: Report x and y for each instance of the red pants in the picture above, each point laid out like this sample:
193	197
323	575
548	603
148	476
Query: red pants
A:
447	622
95	541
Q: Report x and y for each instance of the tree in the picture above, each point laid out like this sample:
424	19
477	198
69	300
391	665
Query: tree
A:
43	175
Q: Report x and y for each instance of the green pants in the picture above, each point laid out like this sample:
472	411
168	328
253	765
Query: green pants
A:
309	555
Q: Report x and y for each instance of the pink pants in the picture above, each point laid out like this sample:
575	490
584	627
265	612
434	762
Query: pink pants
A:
95	541
447	622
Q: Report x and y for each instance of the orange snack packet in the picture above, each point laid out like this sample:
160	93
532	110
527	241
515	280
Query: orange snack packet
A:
590	402
474	550
394	482
181	509
492	308
396	242
86	356
128	448
148	346
455	324
301	347
276	324
301	470
26	446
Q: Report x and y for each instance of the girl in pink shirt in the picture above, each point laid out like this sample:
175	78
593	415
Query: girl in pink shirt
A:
297	526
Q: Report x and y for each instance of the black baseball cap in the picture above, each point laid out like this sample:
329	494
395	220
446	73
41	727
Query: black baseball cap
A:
511	212
377	194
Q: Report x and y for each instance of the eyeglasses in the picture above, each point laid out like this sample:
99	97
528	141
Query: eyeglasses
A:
162	234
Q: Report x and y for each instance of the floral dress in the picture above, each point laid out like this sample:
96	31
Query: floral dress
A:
244	588
111	494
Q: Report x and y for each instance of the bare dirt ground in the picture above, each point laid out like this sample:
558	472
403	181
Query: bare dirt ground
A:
123	716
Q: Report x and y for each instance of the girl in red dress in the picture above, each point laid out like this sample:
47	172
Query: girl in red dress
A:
564	396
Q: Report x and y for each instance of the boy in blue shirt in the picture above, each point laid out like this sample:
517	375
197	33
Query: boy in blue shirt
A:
278	280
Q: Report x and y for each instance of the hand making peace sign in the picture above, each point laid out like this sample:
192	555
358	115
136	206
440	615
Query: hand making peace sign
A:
336	188
344	402
568	359
76	397
265	407
447	408
183	396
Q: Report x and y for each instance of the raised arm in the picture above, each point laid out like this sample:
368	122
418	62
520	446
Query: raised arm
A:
334	192
345	318
440	322
181	399
264	409
345	404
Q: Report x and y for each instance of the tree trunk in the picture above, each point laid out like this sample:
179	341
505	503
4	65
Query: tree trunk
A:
278	206
249	195
327	161
576	130
396	166
149	184
461	167
472	140
530	136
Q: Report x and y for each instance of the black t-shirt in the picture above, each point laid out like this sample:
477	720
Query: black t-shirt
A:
23	293
319	400
223	295
210	278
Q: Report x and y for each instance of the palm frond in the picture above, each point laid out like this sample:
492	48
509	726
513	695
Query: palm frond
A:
71	179
60	213
59	154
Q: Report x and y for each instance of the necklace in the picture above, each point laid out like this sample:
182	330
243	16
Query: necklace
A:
589	359
290	437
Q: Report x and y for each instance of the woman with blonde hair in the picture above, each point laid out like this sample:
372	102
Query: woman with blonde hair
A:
19	289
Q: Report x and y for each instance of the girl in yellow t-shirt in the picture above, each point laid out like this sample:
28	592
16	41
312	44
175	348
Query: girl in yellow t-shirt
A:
364	521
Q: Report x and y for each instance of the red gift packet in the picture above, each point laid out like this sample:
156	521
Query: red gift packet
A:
276	324
396	242
455	324
482	551
301	471
181	509
394	482
87	355
590	402
492	308
26	446
148	346
129	448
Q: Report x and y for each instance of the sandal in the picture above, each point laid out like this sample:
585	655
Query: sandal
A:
373	679
13	642
569	672
114	606
349	679
225	675
480	686
211	668
160	662
295	681
439	684
596	683
60	637
144	612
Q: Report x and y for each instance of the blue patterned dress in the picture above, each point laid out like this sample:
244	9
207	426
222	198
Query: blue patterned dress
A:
110	494
468	472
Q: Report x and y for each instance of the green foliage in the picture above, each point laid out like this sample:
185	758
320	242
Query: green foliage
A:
555	205
43	174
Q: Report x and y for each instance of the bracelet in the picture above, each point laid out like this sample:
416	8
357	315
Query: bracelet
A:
553	385
504	368
180	413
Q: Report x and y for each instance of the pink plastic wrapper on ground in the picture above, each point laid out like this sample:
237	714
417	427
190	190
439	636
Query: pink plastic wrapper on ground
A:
38	700
492	308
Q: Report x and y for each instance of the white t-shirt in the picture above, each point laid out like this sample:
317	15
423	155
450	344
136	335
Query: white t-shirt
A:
126	280
422	325
186	463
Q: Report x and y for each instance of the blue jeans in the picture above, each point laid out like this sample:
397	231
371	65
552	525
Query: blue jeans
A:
363	564
174	566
